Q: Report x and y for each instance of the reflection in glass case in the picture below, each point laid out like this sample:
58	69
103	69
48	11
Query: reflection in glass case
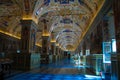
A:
106	52
114	45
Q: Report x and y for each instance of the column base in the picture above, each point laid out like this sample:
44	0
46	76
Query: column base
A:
54	58
44	59
26	62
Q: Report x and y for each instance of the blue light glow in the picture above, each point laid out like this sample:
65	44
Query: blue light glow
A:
46	74
114	45
32	76
107	52
18	51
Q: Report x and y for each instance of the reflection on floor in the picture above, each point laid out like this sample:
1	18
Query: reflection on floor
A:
33	76
64	70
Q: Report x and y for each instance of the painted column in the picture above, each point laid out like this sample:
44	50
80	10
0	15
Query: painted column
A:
28	36
45	36
45	44
53	44
61	54
53	50
53	47
57	50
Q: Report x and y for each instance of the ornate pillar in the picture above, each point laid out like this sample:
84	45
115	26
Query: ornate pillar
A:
45	45
45	42
53	50
28	36
53	47
61	54
53	44
45	36
57	50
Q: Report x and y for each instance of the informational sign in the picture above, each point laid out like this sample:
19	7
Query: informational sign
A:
107	52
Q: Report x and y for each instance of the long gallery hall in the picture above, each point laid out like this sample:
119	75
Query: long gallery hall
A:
59	40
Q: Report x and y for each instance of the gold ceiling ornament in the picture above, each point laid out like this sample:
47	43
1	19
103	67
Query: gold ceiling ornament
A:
27	17
37	44
62	12
45	33
53	40
70	48
80	16
67	26
57	44
75	9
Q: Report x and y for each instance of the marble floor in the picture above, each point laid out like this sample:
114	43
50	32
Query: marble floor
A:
63	70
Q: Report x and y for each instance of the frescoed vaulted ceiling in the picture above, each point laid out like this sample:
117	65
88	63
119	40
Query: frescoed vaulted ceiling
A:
68	20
